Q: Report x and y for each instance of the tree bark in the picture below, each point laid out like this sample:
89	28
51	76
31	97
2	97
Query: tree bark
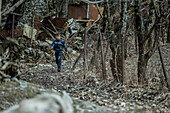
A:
163	67
0	11
106	19
61	8
142	64
113	62
147	44
13	25
84	57
102	57
115	45
141	60
168	34
122	60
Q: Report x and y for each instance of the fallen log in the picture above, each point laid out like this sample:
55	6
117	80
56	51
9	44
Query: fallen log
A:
13	7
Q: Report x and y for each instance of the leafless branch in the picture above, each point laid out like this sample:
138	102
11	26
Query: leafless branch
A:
13	7
151	29
0	10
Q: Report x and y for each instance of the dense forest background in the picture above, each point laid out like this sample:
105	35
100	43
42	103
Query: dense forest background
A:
111	43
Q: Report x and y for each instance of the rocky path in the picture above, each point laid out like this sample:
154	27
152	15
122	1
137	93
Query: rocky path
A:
113	97
92	95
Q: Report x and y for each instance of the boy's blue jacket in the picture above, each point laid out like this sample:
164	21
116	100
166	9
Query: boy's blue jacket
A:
58	45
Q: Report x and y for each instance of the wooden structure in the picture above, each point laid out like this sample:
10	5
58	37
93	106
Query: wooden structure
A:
85	11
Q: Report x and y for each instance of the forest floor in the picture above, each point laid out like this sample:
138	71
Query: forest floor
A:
93	95
126	98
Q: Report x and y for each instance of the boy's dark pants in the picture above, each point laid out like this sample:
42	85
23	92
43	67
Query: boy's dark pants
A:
58	56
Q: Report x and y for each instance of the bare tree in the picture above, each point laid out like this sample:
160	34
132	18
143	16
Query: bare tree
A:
0	10
116	44
147	38
59	8
168	32
147	24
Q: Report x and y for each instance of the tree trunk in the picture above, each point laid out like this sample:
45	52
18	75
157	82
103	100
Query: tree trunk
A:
0	11
115	45
113	69
142	64
116	58
168	34
102	57
64	11
163	67
113	60
106	19
84	57
118	61
62	8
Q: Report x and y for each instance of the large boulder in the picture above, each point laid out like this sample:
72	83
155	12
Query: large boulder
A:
45	103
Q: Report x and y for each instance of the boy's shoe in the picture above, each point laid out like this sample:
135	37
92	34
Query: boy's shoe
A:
59	70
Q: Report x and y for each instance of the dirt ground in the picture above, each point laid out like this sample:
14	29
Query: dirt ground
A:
92	95
103	93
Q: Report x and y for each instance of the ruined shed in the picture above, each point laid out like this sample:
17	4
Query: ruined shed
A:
83	11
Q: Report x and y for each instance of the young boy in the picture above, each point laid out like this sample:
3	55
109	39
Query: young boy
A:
58	46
